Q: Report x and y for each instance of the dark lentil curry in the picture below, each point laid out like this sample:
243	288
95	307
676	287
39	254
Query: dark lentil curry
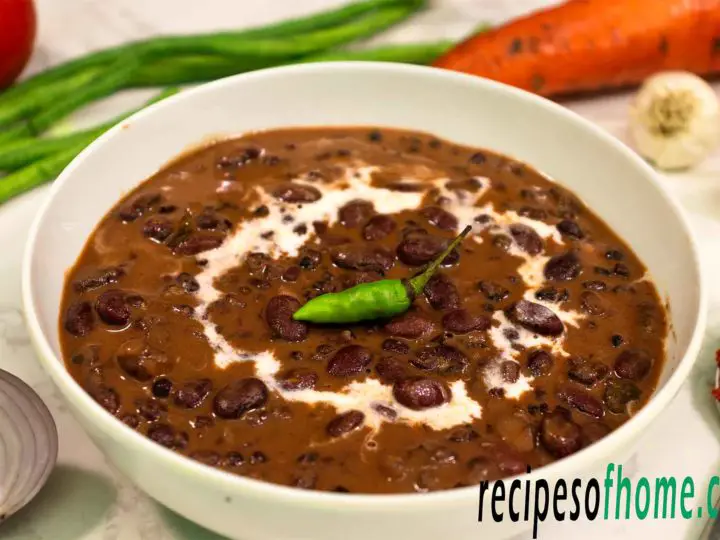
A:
170	353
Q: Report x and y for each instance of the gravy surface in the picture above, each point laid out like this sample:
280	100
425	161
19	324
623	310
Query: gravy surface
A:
539	336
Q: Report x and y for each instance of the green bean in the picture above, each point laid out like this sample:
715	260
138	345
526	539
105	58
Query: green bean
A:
39	97
262	52
193	69
114	78
23	152
375	300
15	131
36	174
50	166
278	49
199	68
314	22
412	53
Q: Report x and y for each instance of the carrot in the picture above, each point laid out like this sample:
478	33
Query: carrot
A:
587	45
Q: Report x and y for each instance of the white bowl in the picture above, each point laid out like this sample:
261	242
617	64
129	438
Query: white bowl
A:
613	181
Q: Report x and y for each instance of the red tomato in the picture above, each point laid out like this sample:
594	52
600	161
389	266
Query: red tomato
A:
17	36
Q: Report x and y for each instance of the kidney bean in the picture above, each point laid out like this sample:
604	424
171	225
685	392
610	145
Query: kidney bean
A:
420	393
309	259
526	238
387	412
633	364
593	432
131	420
191	394
493	291
187	282
239	397
365	258
461	321
349	361
595	285
582	401
618	393
355	212
150	409
442	219
345	423
536	318
481	469
466	184
158	229
296	193
198	242
396	346
298	379
502	242
586	372
378	227
559	434
391	370
139	361
291	275
140	206
442	359
417	250
442	293
167	436
592	304
278	314
564	267
568	227
107	397
552	294
410	325
112	308
232	460
79	319
103	277
510	371
537	214
463	434
162	387
540	363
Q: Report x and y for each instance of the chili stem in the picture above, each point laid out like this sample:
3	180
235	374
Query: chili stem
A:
417	283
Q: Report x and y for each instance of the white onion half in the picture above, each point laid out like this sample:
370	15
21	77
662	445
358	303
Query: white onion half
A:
28	444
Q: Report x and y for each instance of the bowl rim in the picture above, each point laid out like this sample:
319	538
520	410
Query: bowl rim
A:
581	461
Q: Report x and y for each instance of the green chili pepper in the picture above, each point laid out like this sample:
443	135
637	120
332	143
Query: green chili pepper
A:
375	300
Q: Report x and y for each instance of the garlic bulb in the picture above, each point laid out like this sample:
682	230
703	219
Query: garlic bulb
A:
28	444
675	120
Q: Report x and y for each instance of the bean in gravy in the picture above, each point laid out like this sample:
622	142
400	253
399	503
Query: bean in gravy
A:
540	335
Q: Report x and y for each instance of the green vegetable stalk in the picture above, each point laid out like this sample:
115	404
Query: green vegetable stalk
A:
47	168
19	153
268	45
376	300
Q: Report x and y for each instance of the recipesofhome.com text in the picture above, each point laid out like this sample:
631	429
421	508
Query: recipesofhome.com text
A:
613	497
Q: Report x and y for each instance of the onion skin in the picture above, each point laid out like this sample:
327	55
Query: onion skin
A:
29	441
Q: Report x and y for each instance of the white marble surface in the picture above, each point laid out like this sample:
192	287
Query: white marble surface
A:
86	500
